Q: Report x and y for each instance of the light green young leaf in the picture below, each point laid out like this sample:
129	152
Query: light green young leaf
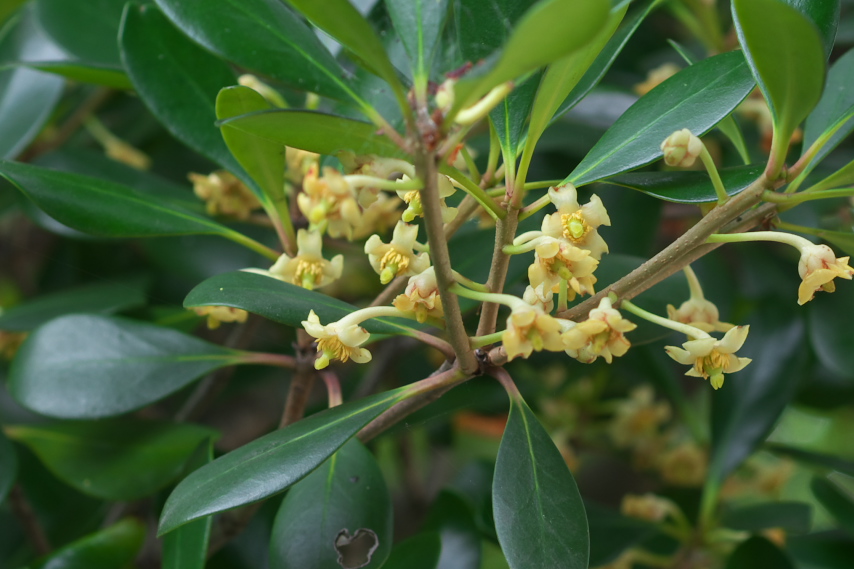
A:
120	459
540	38
110	548
272	463
836	103
85	367
696	98
790	73
347	496
539	515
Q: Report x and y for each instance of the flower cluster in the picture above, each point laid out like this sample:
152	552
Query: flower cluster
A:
224	194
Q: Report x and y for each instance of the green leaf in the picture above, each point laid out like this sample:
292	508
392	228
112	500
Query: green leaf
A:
793	517
119	459
187	546
265	36
836	103
64	21
790	73
100	207
178	81
605	59
482	26
830	336
262	159
758	553
8	466
85	366
539	515
27	99
511	116
746	408
346	498
835	499
102	298
685	186
111	548
314	131
562	76
419	25
825	550
418	552
696	98
272	463
280	301
539	39
824	14
823	462
341	20
453	518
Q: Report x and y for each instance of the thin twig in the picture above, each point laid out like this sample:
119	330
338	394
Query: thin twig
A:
23	510
301	381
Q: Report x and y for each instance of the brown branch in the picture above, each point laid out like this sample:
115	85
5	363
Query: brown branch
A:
505	231
301	381
29	522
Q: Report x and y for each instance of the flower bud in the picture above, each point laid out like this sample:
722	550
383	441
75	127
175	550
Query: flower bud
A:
681	148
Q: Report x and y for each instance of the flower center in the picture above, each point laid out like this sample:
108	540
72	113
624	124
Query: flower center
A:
575	228
713	364
334	349
308	274
392	264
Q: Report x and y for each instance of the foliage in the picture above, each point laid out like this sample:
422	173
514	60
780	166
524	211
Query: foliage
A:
411	283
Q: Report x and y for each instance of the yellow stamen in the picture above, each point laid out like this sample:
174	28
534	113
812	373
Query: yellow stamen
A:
575	227
308	274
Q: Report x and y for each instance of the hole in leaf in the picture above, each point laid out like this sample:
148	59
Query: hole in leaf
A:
357	550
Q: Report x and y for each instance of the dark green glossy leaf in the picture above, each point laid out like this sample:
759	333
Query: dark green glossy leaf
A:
111	548
831	337
685	186
341	20
187	546
26	43
790	73
511	116
100	207
539	515
562	76
696	98
314	131
418	552
758	553
419	25
821	461
605	59
836	102
793	517
265	36
102	298
262	159
177	80
272	463
8	466
119	459
85	366
748	405
280	301
611	533
826	550
482	26
824	14
346	494
65	21
453	518
835	499
538	39
27	98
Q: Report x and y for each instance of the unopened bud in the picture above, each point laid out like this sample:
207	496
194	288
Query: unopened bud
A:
681	148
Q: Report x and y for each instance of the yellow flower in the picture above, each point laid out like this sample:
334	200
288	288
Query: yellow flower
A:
600	335
699	313
541	297
337	341
224	194
219	314
308	269
818	267
656	77
422	297
577	224
329	202
378	217
397	257
684	465
712	358
529	329
647	507
681	148
299	162
412	198
558	260
638	418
